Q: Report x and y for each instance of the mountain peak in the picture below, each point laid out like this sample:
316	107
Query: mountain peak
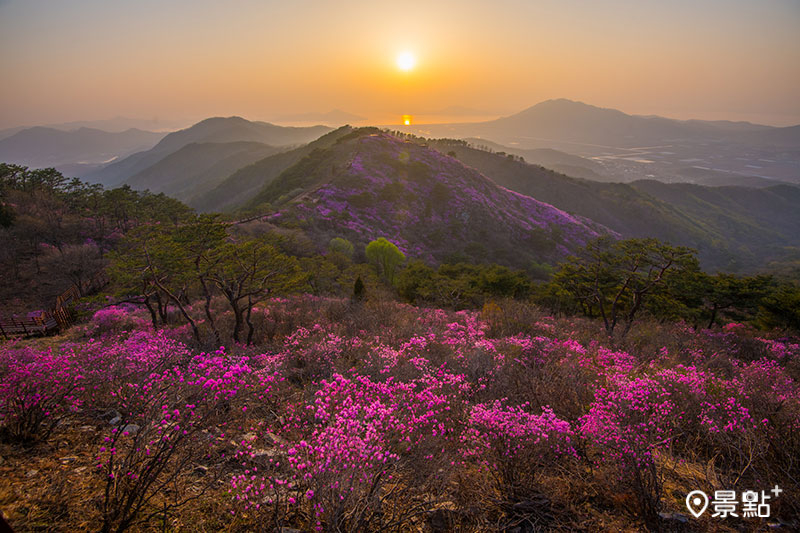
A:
567	107
373	184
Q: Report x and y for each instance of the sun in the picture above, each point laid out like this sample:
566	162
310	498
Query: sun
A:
406	61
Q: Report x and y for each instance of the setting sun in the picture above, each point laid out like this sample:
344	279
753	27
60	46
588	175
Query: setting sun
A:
406	61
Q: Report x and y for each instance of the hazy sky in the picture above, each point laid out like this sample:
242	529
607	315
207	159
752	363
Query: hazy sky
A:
66	60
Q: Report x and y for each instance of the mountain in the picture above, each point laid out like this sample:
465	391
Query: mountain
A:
575	122
212	130
716	178
243	184
631	147
586	168
4	134
370	184
41	147
198	167
123	123
571	165
733	228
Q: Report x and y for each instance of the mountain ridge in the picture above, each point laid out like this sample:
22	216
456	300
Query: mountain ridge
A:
371	184
210	130
41	146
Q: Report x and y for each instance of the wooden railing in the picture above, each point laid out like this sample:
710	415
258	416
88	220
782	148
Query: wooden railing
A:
59	318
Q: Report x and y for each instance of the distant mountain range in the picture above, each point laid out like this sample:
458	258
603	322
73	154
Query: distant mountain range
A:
631	147
571	122
113	125
212	130
41	147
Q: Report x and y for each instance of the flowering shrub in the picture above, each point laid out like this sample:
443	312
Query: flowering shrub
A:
383	416
628	425
355	441
515	445
167	421
38	388
116	319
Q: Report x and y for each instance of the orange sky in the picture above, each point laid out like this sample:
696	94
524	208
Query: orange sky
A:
181	59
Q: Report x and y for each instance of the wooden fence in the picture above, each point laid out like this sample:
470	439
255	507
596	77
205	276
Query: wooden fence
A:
39	323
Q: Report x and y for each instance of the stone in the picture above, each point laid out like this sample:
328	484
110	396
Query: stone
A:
131	429
678	517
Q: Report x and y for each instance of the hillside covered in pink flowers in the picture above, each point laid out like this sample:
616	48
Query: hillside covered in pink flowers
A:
371	183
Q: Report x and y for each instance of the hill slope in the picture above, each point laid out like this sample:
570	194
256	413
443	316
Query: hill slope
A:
212	130
198	167
733	228
243	184
370	185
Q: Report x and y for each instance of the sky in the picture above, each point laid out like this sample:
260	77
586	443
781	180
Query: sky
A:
67	60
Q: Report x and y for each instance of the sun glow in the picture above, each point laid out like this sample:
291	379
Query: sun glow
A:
406	61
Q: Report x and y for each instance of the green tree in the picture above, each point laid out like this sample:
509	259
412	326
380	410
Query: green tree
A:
738	297
613	279
386	257
781	308
152	263
248	271
342	246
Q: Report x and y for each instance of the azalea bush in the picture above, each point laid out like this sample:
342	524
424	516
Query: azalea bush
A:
514	447
38	389
370	416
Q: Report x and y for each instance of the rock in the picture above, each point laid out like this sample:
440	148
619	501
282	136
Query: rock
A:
678	517
131	429
275	439
110	415
115	421
262	456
